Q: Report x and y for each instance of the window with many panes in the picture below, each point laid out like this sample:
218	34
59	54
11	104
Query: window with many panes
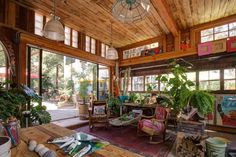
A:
93	46
74	38
151	80
137	83
219	32
67	35
87	44
38	24
229	79
209	80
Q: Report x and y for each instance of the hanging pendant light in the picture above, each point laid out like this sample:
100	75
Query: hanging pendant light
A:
112	53
128	11
53	29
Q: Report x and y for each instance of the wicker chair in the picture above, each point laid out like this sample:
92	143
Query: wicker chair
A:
98	114
154	125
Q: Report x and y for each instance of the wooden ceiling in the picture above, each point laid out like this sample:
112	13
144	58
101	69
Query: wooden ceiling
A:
188	13
94	17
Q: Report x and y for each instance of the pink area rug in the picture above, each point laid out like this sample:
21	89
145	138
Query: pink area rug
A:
126	137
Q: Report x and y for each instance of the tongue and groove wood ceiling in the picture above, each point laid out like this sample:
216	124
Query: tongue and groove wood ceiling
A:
94	17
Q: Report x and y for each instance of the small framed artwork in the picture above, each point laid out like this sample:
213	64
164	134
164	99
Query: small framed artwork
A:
219	46
231	44
204	48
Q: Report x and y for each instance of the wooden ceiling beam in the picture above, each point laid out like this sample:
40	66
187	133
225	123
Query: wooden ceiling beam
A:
162	7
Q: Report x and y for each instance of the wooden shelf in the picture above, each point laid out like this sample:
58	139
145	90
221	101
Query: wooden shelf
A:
157	57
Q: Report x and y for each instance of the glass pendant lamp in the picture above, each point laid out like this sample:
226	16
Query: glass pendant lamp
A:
53	29
129	11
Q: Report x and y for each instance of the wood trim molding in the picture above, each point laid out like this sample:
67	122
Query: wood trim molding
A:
162	8
67	50
144	42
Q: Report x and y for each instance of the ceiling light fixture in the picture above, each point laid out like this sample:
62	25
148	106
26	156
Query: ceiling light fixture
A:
53	29
128	11
111	53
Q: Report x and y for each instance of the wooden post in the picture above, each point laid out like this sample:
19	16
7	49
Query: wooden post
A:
22	63
10	14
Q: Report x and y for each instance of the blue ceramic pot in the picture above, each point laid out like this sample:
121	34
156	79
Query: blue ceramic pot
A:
123	98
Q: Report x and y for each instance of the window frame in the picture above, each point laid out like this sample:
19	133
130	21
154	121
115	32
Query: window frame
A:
229	79
214	33
40	29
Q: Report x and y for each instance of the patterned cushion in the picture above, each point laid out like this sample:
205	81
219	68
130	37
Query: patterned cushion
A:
151	126
99	110
160	113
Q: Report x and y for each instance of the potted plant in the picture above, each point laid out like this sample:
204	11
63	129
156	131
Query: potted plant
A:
179	94
83	92
13	102
114	105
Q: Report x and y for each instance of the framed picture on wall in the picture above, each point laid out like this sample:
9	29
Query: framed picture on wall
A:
219	46
231	44
204	48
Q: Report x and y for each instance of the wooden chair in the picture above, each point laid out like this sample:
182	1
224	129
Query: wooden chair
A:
98	114
154	125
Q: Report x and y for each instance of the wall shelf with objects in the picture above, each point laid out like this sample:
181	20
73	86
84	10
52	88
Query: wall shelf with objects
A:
144	50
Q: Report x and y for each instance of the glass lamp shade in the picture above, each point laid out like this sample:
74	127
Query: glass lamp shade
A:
112	53
128	11
54	30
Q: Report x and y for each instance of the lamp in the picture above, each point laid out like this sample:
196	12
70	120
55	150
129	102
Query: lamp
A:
53	29
128	11
112	53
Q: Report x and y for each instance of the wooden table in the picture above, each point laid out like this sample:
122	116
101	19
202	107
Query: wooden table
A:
42	133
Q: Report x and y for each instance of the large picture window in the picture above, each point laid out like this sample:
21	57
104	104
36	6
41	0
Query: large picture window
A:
60	80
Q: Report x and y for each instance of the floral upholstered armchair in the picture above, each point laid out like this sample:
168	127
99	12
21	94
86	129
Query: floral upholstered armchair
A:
98	114
154	125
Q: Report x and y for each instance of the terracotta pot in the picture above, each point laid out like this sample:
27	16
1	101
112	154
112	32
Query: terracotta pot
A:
83	111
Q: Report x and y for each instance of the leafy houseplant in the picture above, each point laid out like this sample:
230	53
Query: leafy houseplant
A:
40	115
176	87
201	100
13	101
114	105
179	94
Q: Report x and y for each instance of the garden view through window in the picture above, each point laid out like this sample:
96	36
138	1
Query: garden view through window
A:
62	80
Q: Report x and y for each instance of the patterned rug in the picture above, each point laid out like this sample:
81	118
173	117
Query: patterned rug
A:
126	137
